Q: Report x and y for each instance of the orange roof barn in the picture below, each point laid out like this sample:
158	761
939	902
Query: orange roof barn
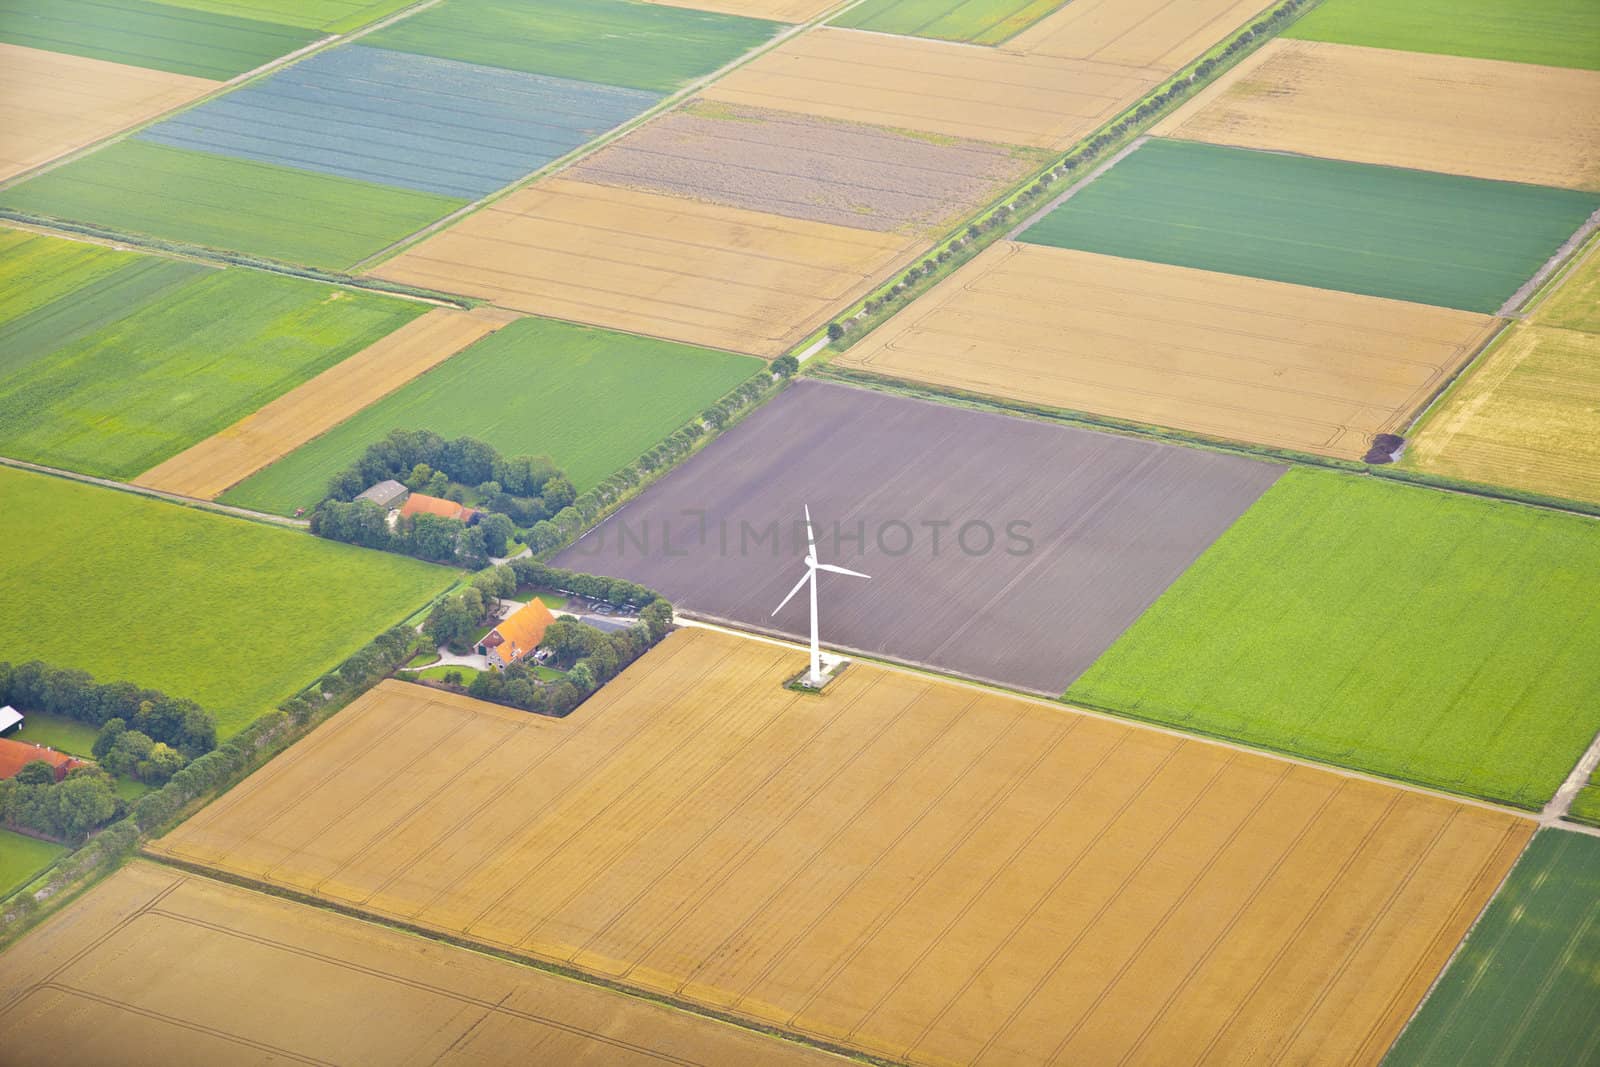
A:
15	755
422	504
518	635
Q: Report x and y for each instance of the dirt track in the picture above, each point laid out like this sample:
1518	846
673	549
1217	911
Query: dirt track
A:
919	870
1232	357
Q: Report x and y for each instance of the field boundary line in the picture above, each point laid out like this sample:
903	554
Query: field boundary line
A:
689	618
575	974
238	81
577	155
1568	252
173	498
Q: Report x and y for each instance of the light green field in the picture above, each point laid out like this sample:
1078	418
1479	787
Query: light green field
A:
1406	234
22	858
58	732
201	44
330	16
612	42
1525	987
592	400
975	21
123	398
235	615
1435	637
280	213
36	270
1556	33
1586	805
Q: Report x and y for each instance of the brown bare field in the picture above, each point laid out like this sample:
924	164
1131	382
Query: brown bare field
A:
807	167
1217	354
159	967
1159	34
56	103
1478	117
922	870
670	267
226	458
1524	418
777	10
936	87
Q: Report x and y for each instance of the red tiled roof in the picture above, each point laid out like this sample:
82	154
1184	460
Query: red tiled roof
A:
421	503
14	755
522	632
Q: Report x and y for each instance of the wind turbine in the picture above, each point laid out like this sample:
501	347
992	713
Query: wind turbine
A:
814	679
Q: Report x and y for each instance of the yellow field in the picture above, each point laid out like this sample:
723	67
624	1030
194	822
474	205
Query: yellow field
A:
226	458
919	869
1217	354
1478	117
1160	34
56	102
935	87
777	10
158	967
1525	416
661	265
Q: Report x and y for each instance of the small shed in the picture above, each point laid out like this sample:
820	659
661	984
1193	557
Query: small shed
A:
386	494
10	719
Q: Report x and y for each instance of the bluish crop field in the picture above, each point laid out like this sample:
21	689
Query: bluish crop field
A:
410	121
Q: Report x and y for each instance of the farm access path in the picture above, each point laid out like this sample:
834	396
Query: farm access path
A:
1544	818
174	498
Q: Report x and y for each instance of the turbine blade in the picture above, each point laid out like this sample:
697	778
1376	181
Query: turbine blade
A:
830	568
797	587
811	542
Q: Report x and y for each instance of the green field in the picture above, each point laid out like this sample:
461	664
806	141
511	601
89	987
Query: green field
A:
329	16
1557	33
590	399
1435	637
201	44
1525	987
198	198
977	21
36	270
58	732
233	614
612	42
1406	234
158	378
21	858
1586	805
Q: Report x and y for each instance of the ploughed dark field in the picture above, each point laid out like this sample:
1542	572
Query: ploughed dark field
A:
1000	548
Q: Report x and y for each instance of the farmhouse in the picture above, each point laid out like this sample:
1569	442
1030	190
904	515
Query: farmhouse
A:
15	755
386	494
517	636
423	504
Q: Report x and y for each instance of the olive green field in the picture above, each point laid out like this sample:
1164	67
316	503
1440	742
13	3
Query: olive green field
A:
972	21
1556	33
1434	637
1525	987
1411	235
236	615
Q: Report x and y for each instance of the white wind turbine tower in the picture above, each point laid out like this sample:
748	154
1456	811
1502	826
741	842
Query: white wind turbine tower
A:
814	679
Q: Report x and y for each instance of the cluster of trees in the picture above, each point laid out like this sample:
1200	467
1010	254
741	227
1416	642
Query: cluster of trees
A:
590	657
180	724
67	810
997	219
1384	448
512	492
